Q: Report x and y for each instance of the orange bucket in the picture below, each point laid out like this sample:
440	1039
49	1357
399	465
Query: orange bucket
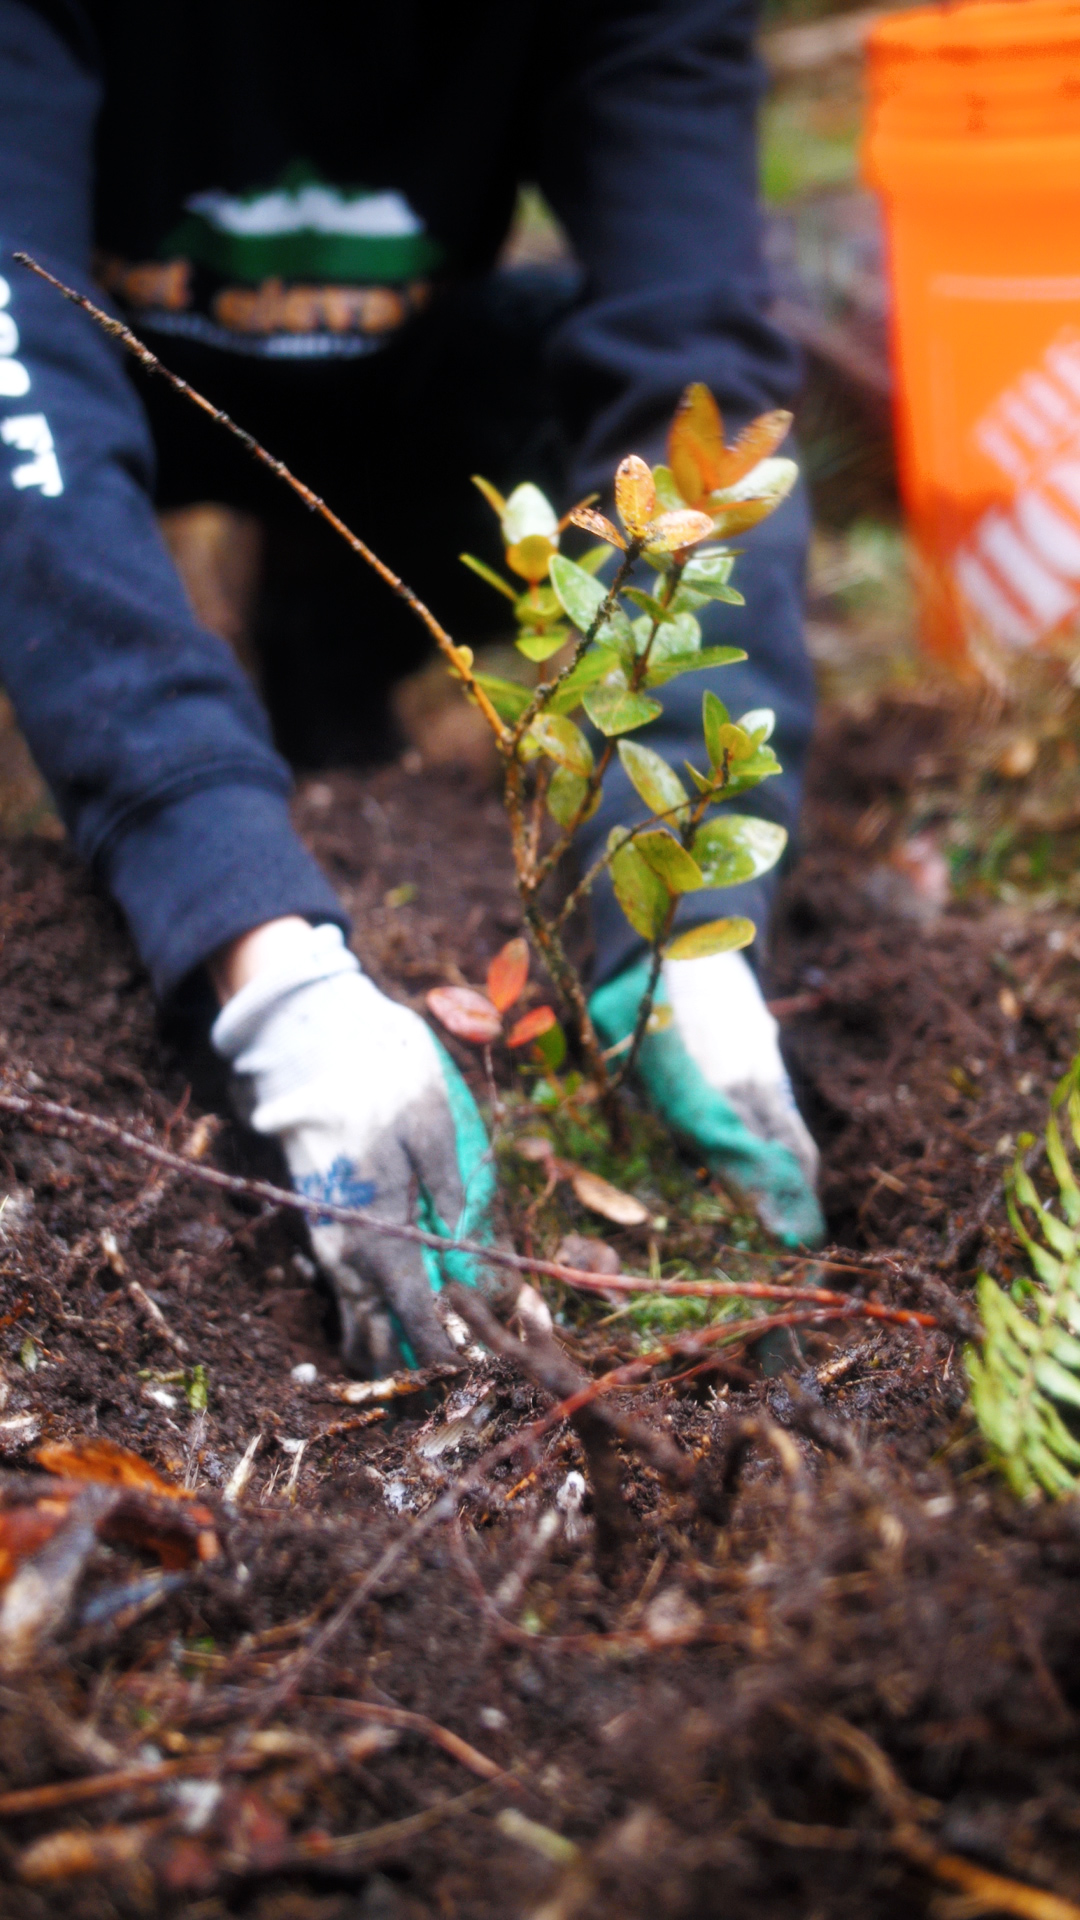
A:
973	143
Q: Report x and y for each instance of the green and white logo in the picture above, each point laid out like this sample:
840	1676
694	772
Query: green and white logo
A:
306	229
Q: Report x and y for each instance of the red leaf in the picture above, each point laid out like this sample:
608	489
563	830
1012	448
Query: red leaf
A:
531	1026
508	973
466	1012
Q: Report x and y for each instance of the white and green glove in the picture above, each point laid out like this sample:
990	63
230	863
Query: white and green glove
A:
715	1075
370	1111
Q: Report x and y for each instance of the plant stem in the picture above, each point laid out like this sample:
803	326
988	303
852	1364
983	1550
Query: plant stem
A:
644	1012
543	693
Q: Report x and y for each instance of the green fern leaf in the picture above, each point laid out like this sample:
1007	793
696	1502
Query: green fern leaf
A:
1025	1378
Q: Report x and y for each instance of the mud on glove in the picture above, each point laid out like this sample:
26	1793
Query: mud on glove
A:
715	1075
370	1111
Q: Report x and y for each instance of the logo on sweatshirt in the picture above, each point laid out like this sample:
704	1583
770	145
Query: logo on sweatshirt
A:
303	268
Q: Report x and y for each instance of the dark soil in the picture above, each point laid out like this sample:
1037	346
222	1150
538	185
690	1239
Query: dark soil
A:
837	1659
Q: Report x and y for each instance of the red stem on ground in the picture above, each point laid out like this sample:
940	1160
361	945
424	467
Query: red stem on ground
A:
53	1116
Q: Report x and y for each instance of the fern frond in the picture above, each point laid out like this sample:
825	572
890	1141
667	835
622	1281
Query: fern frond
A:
1025	1379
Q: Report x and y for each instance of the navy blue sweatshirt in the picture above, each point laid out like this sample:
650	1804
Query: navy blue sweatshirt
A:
297	183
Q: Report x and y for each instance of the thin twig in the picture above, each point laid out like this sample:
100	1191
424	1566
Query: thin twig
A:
156	1318
458	660
440	1736
52	1115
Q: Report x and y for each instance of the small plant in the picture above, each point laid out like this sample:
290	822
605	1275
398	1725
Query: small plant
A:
477	1015
611	647
1025	1377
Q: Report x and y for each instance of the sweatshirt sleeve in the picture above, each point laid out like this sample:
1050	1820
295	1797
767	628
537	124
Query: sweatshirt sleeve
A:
648	155
152	741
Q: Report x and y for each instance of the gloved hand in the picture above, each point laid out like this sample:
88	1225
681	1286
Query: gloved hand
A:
716	1076
371	1112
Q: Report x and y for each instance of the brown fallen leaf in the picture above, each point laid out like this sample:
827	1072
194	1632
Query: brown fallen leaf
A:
75	1851
580	1250
601	1197
107	1464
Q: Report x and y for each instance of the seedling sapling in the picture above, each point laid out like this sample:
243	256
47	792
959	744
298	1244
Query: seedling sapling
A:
612	648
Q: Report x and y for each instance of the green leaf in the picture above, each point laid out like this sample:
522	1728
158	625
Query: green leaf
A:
716	936
760	721
669	858
487	573
688	600
714	715
702	784
735	847
580	595
614	708
639	891
538	607
1025	1377
563	742
660	672
668	497
595	665
593	558
551	1047
648	604
582	598
709	566
651	777
680	634
565	796
761	765
540	646
715	591
508	698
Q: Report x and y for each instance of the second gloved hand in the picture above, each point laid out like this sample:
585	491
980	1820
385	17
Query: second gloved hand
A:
370	1112
716	1076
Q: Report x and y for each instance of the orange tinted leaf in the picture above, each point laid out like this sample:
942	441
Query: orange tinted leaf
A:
107	1464
466	1012
598	523
740	517
585	501
674	530
507	974
756	442
531	1026
635	494
717	936
696	443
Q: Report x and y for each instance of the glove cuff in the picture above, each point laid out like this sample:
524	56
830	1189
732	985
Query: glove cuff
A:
307	956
